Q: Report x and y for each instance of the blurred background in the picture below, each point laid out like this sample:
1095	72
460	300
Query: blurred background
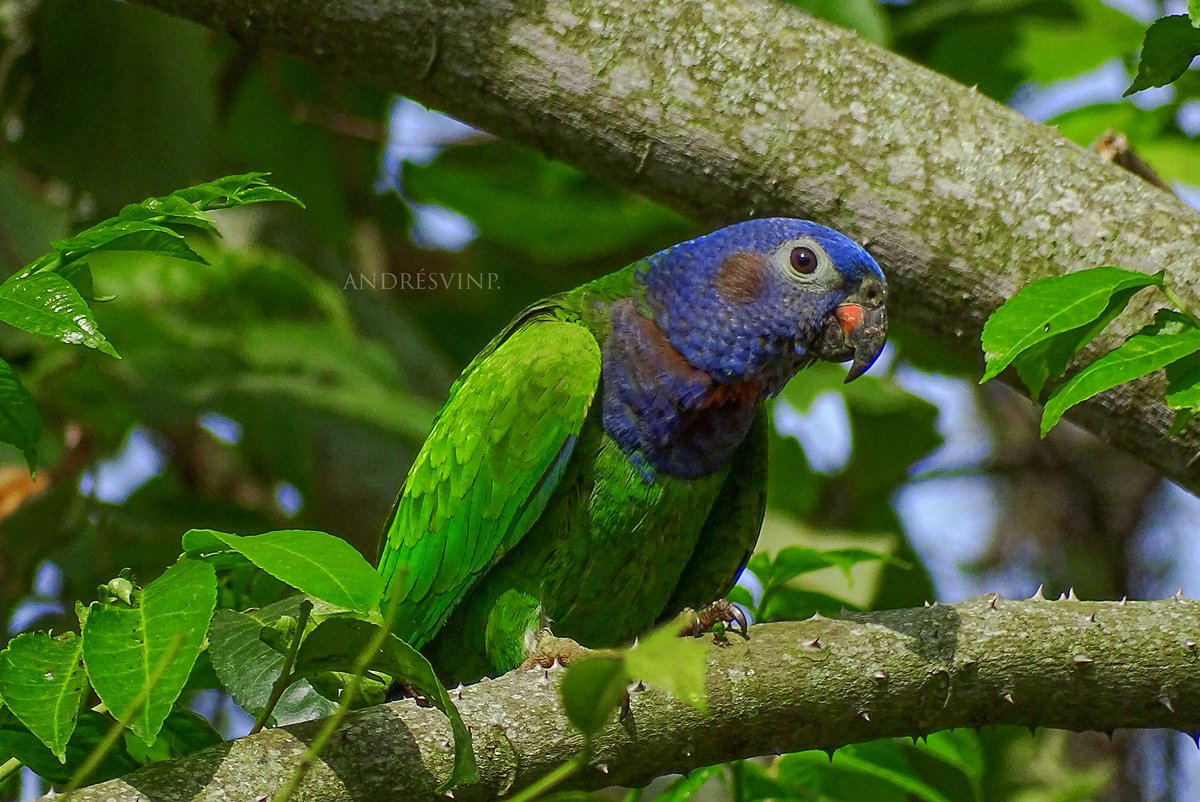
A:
289	384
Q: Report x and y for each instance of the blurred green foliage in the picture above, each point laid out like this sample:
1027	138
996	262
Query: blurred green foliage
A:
325	375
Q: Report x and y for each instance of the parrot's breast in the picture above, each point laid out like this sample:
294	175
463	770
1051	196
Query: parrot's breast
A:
666	415
599	566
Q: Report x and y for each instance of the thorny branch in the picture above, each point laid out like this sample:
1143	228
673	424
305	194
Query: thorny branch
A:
821	683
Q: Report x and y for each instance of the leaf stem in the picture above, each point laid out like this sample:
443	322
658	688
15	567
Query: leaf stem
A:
1179	305
548	781
323	736
121	723
8	769
285	678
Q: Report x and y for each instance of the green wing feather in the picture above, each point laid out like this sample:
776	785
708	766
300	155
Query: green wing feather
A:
732	526
495	455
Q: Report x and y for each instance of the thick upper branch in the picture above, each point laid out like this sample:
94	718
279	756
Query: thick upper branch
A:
911	671
735	109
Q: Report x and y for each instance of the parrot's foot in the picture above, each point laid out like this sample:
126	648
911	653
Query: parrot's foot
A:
550	650
722	610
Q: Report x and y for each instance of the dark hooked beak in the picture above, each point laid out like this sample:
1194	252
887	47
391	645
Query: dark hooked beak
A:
866	332
858	330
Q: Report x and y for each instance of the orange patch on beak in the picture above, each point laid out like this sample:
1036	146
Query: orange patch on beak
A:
850	316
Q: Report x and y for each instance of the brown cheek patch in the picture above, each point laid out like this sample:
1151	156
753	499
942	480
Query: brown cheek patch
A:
741	277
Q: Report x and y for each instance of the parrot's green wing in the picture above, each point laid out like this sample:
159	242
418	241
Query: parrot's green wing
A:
496	453
732	527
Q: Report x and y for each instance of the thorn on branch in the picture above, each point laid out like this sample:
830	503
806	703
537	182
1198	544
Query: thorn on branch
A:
1166	702
1008	697
1039	594
1082	660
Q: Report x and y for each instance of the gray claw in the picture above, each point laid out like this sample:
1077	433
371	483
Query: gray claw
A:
739	618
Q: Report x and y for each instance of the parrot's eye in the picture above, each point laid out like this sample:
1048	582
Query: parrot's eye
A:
803	260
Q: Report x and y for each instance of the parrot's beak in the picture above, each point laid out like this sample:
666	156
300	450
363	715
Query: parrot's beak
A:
857	330
865	329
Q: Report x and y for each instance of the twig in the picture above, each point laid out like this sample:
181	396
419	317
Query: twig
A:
285	678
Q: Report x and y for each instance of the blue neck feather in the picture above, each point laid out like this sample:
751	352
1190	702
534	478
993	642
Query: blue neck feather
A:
664	413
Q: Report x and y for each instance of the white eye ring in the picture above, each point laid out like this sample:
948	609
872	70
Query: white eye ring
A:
804	262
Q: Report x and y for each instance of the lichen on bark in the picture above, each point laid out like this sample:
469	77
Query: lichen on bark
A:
734	109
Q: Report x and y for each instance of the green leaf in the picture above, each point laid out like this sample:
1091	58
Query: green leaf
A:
1048	49
792	561
1049	358
235	190
960	749
248	667
1183	383
168	210
1171	44
124	646
902	777
315	563
1194	12
127	235
47	304
336	644
865	17
1170	338
592	688
186	732
20	743
672	663
183	733
197	542
42	682
79	273
1052	306
788	603
686	787
20	423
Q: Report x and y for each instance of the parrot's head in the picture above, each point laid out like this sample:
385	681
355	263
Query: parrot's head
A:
757	301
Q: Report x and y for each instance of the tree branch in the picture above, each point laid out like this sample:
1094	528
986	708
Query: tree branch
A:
910	672
749	107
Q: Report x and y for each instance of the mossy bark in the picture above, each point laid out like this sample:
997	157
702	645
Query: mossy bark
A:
816	684
735	109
